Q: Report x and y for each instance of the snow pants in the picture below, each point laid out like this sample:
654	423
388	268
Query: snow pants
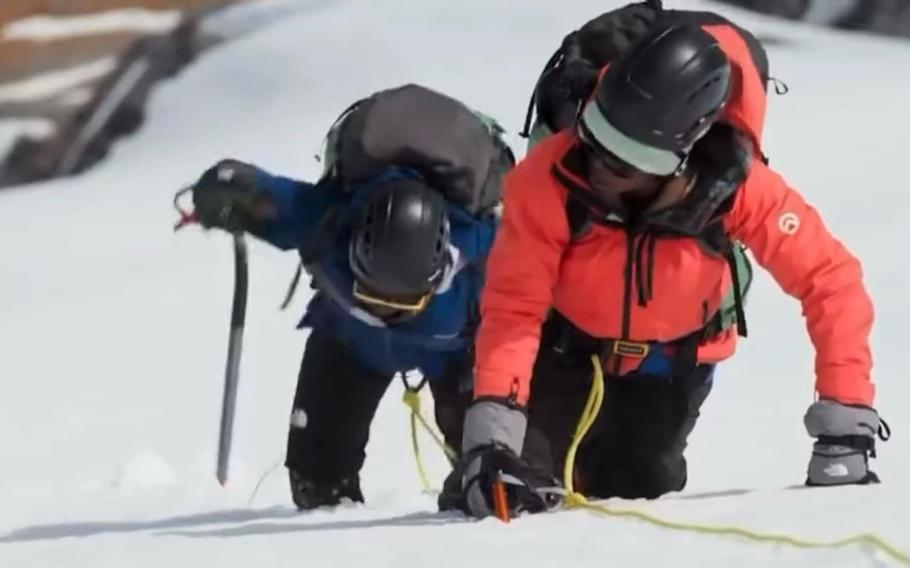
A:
336	400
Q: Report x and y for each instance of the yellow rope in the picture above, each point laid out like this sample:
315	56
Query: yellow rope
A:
870	540
411	399
578	501
585	421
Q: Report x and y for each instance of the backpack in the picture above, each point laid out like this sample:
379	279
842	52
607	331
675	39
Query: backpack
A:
460	152
570	77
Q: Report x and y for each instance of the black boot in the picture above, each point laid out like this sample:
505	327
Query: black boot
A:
451	498
308	494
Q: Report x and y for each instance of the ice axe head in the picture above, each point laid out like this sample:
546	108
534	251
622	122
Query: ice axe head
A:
187	217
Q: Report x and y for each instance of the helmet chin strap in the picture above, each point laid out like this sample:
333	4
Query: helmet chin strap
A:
681	168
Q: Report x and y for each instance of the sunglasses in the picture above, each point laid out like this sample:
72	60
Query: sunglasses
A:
606	158
367	297
608	143
611	162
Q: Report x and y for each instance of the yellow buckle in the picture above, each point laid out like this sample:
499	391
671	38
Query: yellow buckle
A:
632	349
416	306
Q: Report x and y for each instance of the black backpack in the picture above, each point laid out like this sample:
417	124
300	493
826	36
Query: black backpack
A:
570	75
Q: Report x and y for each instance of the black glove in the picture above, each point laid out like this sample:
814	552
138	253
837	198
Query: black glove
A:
528	489
845	440
494	431
226	197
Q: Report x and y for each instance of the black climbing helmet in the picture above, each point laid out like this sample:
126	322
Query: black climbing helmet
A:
399	246
657	99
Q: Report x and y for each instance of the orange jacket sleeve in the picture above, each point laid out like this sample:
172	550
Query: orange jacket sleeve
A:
522	270
789	238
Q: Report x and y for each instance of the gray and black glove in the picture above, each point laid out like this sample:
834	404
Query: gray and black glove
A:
493	437
845	439
227	197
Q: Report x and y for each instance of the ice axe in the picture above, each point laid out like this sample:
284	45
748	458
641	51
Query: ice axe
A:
500	500
235	339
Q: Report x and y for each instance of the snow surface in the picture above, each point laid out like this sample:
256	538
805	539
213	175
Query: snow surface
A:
52	28
113	329
246	17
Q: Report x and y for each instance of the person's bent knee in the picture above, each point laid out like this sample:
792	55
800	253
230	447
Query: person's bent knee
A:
641	479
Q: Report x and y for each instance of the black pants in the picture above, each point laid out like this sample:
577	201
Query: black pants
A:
635	447
334	406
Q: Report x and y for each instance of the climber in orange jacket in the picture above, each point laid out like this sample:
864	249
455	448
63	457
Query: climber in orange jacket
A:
623	237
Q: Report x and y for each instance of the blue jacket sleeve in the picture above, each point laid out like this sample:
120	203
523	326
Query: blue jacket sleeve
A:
299	207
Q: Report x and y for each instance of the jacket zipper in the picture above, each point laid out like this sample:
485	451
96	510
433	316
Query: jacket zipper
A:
627	294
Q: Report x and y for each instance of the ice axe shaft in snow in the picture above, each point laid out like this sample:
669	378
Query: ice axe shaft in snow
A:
235	339
235	344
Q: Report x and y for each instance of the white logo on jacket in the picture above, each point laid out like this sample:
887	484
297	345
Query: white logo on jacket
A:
299	418
837	469
788	223
225	173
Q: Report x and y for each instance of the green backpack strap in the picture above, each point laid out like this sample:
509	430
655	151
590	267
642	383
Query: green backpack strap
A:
732	308
539	130
492	125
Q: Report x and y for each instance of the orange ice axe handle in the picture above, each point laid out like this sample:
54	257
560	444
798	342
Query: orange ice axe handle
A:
500	501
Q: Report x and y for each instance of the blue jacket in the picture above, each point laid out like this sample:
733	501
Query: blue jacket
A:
433	341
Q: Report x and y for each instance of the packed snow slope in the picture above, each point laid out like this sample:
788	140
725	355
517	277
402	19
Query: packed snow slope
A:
113	329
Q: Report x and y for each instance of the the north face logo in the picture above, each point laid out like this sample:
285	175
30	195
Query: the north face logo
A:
225	173
788	223
837	470
299	418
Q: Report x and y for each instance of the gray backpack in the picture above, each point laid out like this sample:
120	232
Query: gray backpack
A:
459	151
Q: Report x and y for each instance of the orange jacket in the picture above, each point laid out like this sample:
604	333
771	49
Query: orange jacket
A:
533	266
